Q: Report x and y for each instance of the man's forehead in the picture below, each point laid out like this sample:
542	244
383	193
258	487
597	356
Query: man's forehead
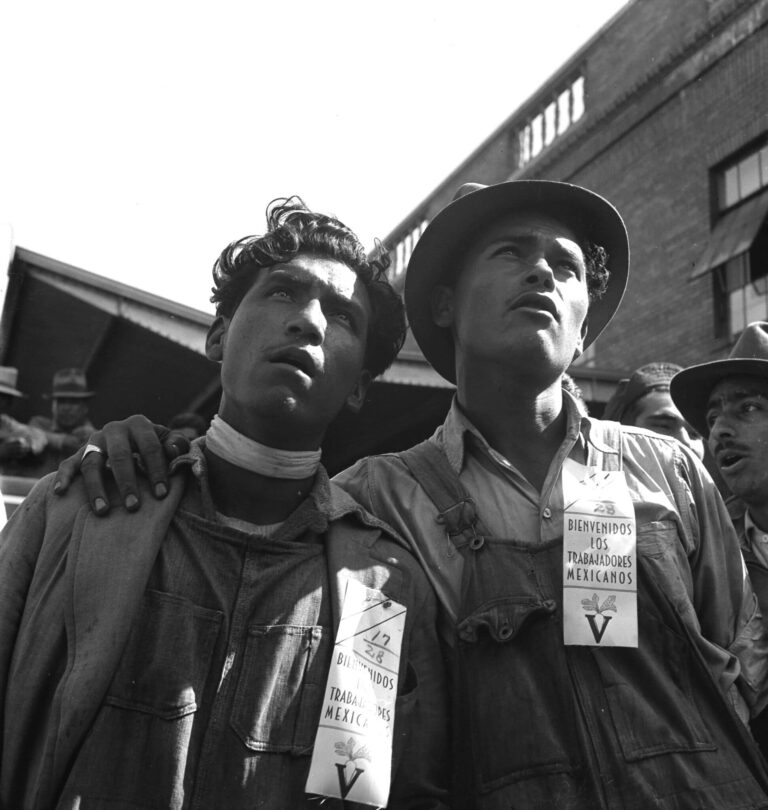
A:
738	387
308	268
528	223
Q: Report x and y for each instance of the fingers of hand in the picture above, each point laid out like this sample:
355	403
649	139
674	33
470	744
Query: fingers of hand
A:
121	438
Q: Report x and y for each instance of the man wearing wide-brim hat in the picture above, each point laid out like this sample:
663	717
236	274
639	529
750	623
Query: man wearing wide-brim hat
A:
605	648
727	401
68	427
515	506
19	443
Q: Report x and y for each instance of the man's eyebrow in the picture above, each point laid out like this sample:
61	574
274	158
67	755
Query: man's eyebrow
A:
525	240
739	393
303	280
289	274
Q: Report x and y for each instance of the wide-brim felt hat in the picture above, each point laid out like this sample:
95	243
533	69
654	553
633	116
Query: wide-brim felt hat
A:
473	209
8	377
691	387
69	383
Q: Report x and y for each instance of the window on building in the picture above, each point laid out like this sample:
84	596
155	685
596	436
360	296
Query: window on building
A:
550	121
737	253
400	255
742	178
741	288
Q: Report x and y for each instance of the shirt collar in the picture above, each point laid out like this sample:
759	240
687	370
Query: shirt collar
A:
327	502
457	427
753	531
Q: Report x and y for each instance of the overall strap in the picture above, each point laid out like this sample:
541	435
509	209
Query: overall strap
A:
604	446
456	509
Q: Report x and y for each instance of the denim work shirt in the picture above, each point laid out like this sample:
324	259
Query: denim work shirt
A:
165	659
754	547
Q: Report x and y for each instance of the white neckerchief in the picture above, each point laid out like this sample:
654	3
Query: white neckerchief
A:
227	443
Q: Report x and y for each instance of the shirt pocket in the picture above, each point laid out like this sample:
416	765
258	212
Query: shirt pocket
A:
280	688
165	665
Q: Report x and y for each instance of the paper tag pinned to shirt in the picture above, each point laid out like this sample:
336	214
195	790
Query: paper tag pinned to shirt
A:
599	558
352	757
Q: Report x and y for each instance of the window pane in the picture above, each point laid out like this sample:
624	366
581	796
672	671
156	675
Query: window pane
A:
577	88
736	272
749	175
399	264
525	144
736	311
537	141
731	187
754	304
564	114
549	124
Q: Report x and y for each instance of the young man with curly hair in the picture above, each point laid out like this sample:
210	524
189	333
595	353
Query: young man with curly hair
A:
186	655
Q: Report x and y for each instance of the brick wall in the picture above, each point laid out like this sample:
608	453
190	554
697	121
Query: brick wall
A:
673	87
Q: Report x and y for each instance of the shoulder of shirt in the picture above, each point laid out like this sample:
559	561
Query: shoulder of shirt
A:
342	505
639	443
640	436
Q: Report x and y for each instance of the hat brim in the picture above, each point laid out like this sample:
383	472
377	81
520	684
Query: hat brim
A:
451	232
691	387
8	391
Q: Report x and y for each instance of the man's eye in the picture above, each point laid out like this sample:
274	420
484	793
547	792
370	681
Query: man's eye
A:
568	266
280	292
341	315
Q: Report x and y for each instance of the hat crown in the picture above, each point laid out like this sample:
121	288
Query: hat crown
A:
752	343
9	376
69	382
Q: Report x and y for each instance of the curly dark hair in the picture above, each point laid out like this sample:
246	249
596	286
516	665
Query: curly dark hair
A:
598	274
292	229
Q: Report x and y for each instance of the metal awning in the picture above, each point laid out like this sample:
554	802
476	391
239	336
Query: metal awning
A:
733	234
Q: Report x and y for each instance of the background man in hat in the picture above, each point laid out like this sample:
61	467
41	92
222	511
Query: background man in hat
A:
727	400
68	427
602	635
188	655
18	442
643	400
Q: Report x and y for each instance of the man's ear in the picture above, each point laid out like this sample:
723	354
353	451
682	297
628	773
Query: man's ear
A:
356	399
216	339
582	337
441	302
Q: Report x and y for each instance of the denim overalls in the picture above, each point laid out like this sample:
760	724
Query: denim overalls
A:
538	724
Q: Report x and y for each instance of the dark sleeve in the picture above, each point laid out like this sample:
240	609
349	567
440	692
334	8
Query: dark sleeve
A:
421	762
20	544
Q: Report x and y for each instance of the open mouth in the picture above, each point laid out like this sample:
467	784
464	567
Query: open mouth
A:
538	302
728	460
297	358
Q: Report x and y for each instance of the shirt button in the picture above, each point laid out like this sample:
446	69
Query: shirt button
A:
547	512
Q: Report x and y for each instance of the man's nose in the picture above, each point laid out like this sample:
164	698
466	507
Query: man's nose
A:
309	320
540	274
721	428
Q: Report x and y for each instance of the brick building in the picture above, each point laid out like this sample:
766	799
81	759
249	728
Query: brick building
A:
665	112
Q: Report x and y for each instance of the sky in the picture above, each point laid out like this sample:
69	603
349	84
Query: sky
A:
138	139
